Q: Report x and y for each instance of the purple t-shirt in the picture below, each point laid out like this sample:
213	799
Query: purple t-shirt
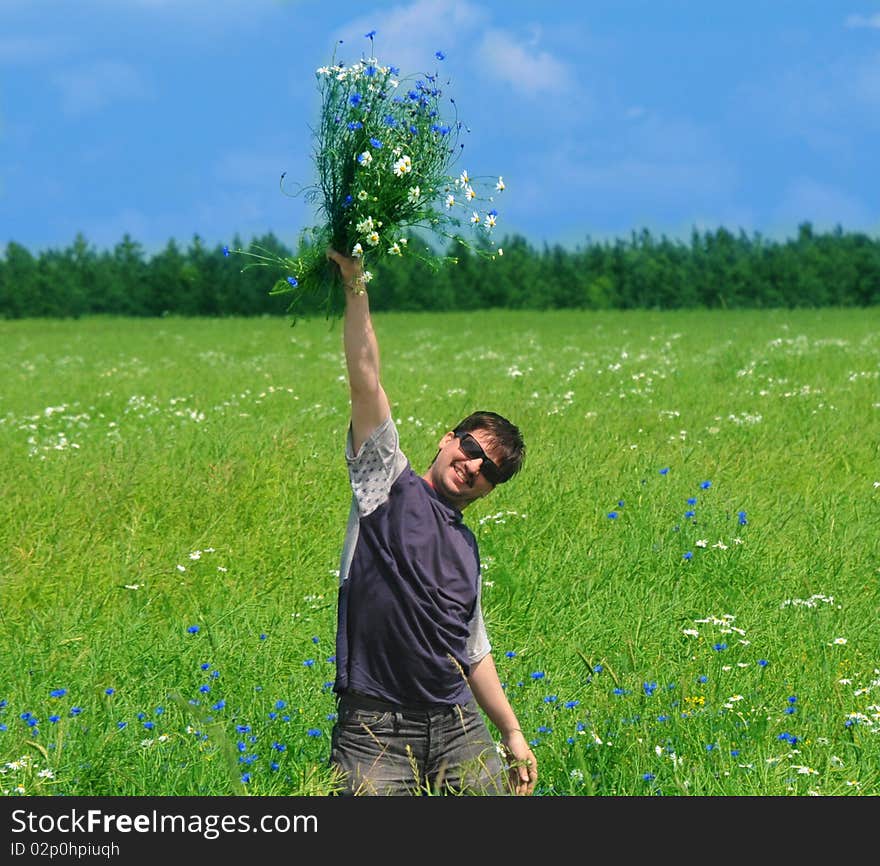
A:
409	621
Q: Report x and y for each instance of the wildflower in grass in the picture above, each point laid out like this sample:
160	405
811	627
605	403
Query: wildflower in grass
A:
313	732
510	654
219	705
649	688
692	500
193	629
571	704
687	555
75	711
380	134
308	663
719	647
741	517
54	719
690	632
763	663
280	705
838	641
597	669
689	513
665	470
648	777
538	675
550	699
226	251
121	725
149	725
109	691
705	485
612	515
702	678
58	693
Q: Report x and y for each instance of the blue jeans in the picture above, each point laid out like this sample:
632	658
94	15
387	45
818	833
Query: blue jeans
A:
386	749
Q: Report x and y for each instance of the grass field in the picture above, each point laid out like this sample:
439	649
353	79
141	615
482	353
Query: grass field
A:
681	588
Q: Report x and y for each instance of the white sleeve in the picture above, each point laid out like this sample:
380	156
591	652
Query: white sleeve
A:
478	644
375	467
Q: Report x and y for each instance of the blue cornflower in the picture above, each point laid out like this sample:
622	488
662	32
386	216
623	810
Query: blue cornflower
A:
687	555
225	251
763	663
331	717
376	143
689	513
702	678
58	693
204	689
160	710
619	691
245	778
354	124
612	515
597	669
355	99
571	704
692	500
272	716
494	212
54	719
193	629
110	691
718	647
792	699
439	55
215	674
710	747
538	675
308	663
279	747
662	718
293	281
742	518
314	732
263	636
734	753
205	665
545	730
510	654
648	777
242	729
280	705
705	485
550	699
149	725
389	120
274	766
331	659
141	716
664	470
75	711
121	725
219	705
649	688
316	639
241	746
790	711
370	35
370	71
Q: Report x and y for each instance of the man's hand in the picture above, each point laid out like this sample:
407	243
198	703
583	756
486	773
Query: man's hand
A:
351	269
523	766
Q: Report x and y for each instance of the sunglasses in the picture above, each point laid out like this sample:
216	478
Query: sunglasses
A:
473	451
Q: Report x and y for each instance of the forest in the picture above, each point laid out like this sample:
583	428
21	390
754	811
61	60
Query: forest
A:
714	270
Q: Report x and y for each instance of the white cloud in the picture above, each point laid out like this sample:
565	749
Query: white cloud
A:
90	88
408	35
21	50
505	58
823	205
863	21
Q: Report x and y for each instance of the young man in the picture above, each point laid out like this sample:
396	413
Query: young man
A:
414	665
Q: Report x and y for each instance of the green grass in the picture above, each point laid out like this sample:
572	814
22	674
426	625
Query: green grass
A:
163	474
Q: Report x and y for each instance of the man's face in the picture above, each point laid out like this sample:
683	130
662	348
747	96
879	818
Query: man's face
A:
457	477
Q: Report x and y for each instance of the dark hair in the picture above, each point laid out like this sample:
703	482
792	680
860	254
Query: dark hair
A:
503	437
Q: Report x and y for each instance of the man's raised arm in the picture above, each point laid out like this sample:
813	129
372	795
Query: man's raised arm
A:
369	404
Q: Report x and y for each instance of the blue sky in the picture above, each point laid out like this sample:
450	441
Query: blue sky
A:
170	118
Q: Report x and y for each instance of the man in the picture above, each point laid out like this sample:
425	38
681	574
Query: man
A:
413	659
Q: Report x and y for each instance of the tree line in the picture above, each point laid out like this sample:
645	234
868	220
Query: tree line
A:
715	269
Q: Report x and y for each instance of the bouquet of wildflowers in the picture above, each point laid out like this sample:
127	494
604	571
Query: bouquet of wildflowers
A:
384	149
